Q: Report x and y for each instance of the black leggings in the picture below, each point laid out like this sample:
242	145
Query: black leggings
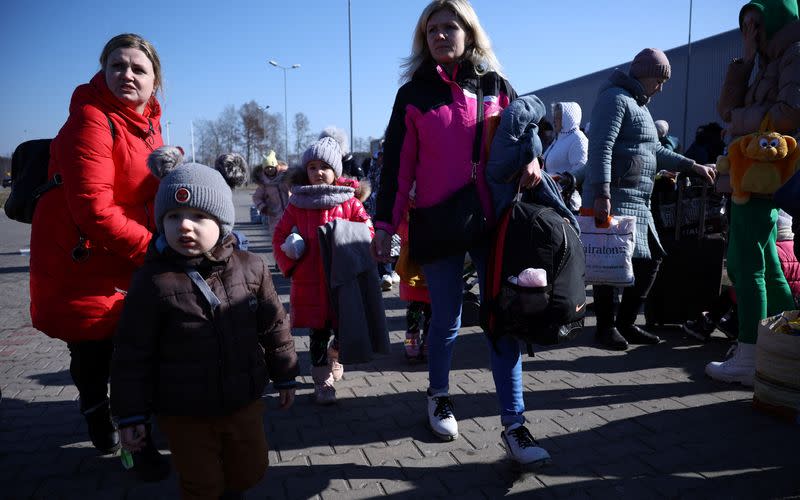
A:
644	272
418	317
90	366
319	340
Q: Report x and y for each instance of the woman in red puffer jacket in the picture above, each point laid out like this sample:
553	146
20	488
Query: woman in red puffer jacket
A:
90	233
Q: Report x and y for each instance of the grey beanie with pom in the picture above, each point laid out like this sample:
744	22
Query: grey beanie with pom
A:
190	185
327	150
339	135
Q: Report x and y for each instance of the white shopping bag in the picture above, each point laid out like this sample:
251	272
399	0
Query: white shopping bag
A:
609	250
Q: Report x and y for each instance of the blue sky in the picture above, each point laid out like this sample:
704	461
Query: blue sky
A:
215	54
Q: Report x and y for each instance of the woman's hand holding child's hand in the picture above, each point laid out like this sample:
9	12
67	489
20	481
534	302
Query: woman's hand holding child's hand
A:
133	437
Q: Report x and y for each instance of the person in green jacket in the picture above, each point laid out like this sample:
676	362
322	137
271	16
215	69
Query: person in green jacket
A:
771	30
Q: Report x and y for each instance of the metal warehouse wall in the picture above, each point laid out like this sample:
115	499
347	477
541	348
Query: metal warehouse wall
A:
709	62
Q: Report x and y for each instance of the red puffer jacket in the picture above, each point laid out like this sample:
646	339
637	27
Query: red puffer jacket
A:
309	208
108	193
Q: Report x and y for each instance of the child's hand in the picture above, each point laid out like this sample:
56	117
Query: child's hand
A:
381	246
286	398
133	437
294	246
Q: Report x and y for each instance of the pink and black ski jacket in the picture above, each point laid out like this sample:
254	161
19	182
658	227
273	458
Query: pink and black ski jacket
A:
430	139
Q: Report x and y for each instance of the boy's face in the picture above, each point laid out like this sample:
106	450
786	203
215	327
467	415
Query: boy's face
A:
319	172
190	232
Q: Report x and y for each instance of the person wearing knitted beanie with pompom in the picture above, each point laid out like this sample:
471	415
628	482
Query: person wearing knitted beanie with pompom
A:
201	332
319	195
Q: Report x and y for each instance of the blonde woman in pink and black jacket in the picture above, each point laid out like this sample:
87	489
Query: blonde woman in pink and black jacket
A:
429	141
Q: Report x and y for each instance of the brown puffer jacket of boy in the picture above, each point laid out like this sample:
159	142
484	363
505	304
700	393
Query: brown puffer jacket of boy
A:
174	356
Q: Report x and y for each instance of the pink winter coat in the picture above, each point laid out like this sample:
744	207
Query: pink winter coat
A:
791	268
309	208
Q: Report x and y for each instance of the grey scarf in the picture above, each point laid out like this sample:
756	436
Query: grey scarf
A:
320	196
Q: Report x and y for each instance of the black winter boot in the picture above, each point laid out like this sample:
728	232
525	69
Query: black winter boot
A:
102	433
610	338
635	335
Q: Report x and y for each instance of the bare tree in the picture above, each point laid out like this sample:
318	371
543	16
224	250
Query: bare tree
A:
230	130
302	133
361	145
208	141
273	134
252	129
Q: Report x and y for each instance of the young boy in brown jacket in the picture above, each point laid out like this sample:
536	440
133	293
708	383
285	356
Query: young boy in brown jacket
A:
201	332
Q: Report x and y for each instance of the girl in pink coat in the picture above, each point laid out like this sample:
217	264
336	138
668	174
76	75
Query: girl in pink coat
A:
319	195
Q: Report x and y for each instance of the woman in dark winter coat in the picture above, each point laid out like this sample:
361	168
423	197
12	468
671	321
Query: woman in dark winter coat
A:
624	156
91	233
430	140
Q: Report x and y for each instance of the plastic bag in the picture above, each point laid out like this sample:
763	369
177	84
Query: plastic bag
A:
609	250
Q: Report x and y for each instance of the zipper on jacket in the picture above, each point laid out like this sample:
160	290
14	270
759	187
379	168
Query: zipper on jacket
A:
221	349
148	140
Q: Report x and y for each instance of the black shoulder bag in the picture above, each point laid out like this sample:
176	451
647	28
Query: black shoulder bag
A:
456	224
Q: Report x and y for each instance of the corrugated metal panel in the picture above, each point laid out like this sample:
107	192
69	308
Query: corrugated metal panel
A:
709	62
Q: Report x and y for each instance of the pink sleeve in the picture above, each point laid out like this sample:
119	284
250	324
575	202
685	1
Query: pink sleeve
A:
407	172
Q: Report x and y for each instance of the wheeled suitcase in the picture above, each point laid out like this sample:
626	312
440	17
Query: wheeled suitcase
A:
690	277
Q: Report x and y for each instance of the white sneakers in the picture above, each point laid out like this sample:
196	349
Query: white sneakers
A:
521	447
441	420
741	367
516	438
387	280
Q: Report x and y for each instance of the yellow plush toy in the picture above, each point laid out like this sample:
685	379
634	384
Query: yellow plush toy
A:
759	163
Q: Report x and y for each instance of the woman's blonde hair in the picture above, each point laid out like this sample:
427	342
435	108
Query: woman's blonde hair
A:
134	41
478	50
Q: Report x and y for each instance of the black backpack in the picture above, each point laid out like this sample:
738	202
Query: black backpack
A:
530	235
29	177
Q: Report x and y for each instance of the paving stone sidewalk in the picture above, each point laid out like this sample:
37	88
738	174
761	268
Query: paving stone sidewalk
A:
644	423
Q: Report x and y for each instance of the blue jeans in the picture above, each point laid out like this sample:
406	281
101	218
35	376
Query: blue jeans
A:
384	268
446	288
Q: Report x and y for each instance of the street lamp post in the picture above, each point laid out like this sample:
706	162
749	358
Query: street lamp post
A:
285	107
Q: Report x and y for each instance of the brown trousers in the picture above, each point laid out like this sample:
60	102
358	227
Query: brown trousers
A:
217	454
